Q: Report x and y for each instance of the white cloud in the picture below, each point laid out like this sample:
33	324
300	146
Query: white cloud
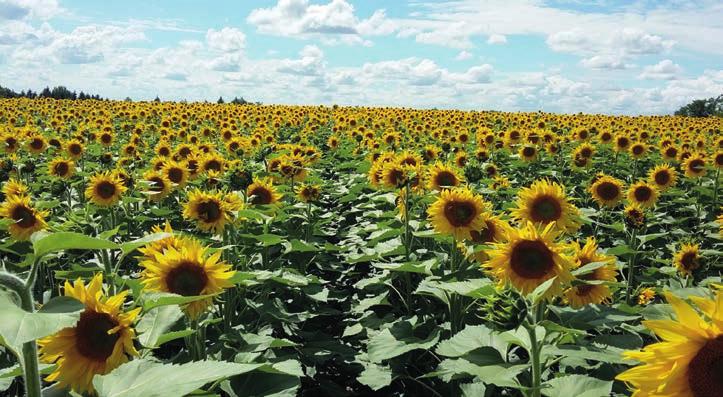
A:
226	40
463	55
604	62
310	63
28	9
497	39
663	70
334	22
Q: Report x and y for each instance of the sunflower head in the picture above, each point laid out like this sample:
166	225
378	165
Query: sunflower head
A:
694	166
646	296
607	191
61	168
262	192
457	212
207	210
25	219
100	341
545	203
528	257
14	187
159	186
589	288
442	177
105	189
187	270
687	259
663	177
687	360
634	216
643	194
308	193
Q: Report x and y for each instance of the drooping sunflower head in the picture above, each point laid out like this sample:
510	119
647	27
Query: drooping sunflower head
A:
607	191
441	176
687	259
25	219
457	212
100	341
61	168
262	192
643	194
207	210
663	176
308	193
687	360
584	292
105	189
528	257
634	216
544	203
694	166
188	270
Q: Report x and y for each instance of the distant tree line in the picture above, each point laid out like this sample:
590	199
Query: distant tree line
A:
59	92
703	108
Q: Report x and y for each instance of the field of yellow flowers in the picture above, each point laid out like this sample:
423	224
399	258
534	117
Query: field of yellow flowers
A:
168	249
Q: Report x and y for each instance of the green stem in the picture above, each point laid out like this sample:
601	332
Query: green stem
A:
715	189
535	360
631	267
23	289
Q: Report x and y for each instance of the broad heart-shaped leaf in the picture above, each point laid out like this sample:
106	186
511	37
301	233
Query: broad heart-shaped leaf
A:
62	304
18	326
455	368
157	299
398	340
44	244
375	376
578	386
156	322
471	338
153	379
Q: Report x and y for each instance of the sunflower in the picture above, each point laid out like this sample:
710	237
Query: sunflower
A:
393	175
100	341
663	177
457	212
262	192
25	219
441	177
528	257
583	294
494	230
646	296
105	189
14	187
545	202
694	166
75	149
61	168
37	144
188	270
607	191
634	216
176	172
158	185
638	150
208	210
643	194
528	153
687	258
718	159
687	360
308	193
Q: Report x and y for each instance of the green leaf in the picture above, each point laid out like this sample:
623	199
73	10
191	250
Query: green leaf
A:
386	345
578	386
298	246
155	323
622	249
62	304
472	338
18	326
455	368
54	242
157	299
538	293
375	376
475	389
153	379
265	239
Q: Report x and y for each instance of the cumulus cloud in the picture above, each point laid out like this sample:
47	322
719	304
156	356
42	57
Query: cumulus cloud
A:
22	9
663	70
310	63
497	39
226	40
604	62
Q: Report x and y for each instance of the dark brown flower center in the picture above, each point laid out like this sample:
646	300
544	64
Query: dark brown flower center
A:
91	335
157	184
105	189
260	195
689	260
643	193
531	259
460	213
445	178
61	169
696	166
106	138
24	217
175	175
484	235
638	149
528	151
662	177
212	165
546	209
705	370
187	279
608	191
209	211
75	149
36	144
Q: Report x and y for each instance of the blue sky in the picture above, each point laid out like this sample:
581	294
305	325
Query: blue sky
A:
597	56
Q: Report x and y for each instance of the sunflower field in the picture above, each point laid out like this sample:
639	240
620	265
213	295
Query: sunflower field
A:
171	249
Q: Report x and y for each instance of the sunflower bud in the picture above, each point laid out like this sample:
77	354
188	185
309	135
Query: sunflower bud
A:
241	179
505	311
